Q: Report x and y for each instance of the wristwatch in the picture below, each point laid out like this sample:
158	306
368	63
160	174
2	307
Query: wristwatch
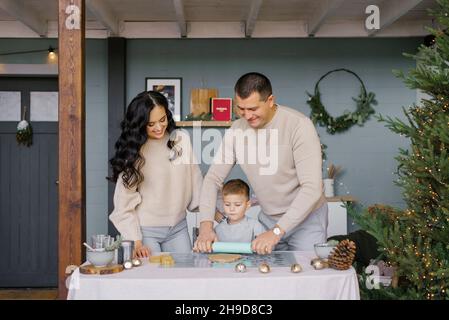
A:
277	231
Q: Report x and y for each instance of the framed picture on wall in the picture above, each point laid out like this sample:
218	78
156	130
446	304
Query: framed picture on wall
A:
171	88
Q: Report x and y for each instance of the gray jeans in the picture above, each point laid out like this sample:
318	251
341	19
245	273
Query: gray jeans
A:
301	238
167	239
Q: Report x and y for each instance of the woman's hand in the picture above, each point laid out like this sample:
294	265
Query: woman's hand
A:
140	251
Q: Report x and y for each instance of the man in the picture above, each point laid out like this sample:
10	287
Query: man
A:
294	209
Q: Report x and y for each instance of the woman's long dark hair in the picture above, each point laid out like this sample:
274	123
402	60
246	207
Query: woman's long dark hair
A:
127	158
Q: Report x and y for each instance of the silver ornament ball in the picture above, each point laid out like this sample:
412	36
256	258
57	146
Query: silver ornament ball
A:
128	264
240	267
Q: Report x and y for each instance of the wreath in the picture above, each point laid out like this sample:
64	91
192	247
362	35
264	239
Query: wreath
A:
364	109
24	133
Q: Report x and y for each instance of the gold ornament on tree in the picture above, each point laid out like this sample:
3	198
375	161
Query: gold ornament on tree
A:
24	134
343	255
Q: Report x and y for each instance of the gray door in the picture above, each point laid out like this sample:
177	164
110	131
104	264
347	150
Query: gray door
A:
28	184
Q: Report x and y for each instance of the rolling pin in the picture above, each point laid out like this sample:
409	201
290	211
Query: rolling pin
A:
231	247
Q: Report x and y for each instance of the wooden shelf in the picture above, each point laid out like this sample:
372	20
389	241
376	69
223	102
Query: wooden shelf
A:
347	198
204	123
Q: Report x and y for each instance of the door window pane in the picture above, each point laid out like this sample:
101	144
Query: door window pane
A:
44	106
10	105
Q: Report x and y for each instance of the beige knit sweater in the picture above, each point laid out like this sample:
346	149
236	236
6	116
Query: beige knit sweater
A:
290	192
168	189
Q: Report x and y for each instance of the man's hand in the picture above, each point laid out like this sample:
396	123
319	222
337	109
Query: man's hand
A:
140	251
205	238
265	242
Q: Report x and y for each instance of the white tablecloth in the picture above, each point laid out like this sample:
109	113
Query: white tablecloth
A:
154	283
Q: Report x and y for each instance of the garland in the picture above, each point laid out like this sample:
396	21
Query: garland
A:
342	123
205	117
201	117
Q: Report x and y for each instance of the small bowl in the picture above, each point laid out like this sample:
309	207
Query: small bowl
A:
323	250
100	258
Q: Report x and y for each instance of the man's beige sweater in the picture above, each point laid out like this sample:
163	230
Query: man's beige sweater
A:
291	191
168	189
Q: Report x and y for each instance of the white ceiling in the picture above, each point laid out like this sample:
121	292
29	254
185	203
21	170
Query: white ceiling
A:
219	18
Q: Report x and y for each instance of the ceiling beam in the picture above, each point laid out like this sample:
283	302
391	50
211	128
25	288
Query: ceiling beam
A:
104	14
322	12
18	10
252	17
391	11
180	17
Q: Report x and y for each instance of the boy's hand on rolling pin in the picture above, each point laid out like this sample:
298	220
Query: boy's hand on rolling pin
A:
205	238
140	251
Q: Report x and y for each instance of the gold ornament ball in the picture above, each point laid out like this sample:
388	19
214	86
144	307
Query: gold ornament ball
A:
136	262
319	264
295	268
240	267
264	268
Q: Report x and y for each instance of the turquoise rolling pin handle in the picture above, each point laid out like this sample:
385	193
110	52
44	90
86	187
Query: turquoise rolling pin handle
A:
232	247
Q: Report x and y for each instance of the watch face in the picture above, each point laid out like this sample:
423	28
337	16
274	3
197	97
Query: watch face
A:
277	231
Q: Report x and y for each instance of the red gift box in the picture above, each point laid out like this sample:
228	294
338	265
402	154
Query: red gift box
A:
222	109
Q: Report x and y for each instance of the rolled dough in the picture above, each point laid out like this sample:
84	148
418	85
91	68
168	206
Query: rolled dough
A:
224	257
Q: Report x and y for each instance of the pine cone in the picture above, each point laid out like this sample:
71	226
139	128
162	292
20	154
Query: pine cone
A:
343	255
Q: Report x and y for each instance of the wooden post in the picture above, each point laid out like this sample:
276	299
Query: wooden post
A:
72	202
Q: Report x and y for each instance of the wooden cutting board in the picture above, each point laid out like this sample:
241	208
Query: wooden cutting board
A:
200	100
91	269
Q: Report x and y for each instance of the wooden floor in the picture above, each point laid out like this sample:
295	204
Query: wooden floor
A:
28	294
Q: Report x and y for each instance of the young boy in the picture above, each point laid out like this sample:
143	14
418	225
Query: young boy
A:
237	227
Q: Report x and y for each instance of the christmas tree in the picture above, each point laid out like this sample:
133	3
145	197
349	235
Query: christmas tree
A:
415	240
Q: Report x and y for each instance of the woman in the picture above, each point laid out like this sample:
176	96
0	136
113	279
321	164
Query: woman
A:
156	177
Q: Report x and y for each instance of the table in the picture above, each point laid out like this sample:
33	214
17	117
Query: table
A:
152	282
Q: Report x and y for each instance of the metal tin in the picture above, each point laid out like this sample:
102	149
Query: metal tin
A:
127	248
116	257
